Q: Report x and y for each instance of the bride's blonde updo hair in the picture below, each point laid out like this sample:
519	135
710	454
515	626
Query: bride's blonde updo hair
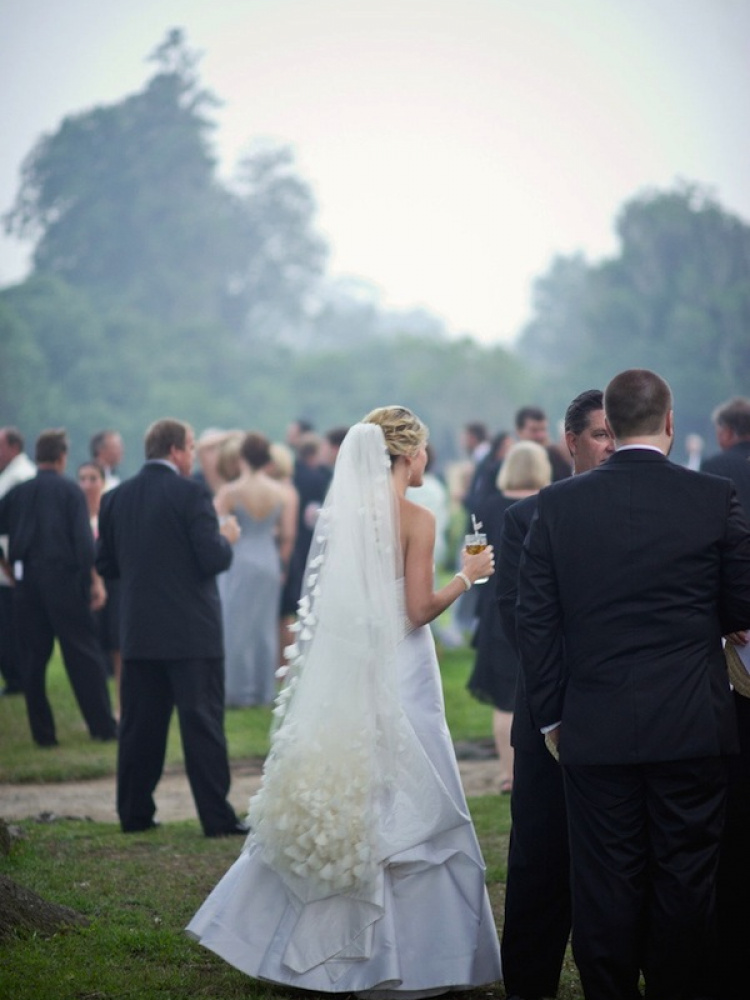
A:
404	432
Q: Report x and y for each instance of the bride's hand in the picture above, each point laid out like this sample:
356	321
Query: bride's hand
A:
480	564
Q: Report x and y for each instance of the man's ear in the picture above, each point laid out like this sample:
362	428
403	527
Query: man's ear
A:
669	424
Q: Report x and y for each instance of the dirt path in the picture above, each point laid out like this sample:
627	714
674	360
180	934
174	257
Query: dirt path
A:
96	799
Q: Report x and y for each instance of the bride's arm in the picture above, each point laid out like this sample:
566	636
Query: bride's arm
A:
423	602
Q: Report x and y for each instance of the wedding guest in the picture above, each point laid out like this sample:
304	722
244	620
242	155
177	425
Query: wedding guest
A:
329	449
281	468
536	923
630	576
694	445
15	467
228	460
484	481
159	535
525	471
311	483
433	494
363	873
250	589
207	453
51	549
106	449
91	479
732	424
532	425
296	429
476	445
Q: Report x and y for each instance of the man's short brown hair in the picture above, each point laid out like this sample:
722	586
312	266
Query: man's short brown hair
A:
163	435
734	414
51	445
636	402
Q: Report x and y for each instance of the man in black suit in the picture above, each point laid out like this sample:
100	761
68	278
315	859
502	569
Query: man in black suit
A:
537	889
311	481
630	576
532	425
51	551
732	423
158	534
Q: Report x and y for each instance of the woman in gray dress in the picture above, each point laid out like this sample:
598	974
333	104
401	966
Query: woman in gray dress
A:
251	587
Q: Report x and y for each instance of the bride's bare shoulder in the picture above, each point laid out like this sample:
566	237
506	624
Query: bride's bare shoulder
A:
415	518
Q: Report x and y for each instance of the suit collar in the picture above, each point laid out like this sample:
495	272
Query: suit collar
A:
157	465
636	455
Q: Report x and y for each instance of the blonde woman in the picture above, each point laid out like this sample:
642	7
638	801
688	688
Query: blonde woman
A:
363	873
525	470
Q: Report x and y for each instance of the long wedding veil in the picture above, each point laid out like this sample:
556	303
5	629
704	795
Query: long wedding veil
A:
347	784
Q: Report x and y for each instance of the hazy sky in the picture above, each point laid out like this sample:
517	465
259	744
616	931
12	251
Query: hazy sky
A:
453	146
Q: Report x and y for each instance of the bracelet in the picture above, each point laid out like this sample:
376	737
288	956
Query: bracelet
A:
464	579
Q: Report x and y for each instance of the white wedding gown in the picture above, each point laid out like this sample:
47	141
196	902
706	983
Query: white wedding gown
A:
426	927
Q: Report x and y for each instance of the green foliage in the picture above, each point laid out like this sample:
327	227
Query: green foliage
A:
160	290
675	299
125	204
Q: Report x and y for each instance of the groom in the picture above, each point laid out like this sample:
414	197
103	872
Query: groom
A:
630	576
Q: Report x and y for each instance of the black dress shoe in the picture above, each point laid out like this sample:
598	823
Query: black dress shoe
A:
141	827
47	743
107	735
238	829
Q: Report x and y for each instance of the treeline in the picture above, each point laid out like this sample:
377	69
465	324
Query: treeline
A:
676	298
158	289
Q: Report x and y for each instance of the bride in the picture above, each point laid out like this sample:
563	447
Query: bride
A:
362	873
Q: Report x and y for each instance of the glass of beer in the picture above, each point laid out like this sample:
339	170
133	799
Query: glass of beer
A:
475	542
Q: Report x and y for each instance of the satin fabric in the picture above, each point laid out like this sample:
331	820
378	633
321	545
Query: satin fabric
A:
427	926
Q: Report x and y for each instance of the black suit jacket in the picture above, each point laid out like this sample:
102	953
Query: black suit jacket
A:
158	534
636	569
524	735
734	463
47	522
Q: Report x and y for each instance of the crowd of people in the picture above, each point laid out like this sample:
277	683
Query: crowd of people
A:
304	573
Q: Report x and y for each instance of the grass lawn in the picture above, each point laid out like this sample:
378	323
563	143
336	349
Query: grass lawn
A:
79	757
139	891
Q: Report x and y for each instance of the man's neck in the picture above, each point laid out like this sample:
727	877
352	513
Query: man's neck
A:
661	442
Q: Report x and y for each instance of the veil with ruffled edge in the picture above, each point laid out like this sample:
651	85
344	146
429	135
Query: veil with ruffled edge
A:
346	784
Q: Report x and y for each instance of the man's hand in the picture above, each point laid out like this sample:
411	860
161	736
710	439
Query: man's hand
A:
552	741
98	592
738	638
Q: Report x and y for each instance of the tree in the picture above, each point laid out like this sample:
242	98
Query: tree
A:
283	256
124	202
675	299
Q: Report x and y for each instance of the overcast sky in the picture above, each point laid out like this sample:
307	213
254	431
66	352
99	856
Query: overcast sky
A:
453	146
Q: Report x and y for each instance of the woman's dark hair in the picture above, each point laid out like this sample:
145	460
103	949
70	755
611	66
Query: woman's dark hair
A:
256	449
